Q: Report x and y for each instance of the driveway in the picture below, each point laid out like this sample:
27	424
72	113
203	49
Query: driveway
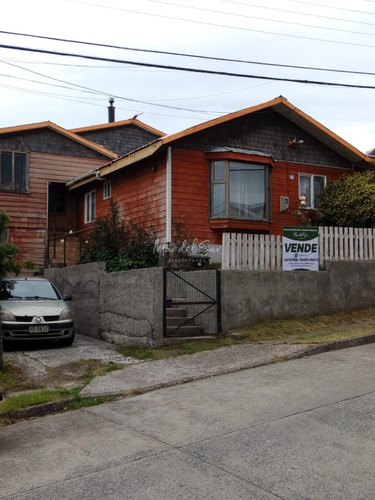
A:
302	429
51	364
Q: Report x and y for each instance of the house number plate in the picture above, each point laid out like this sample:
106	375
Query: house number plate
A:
39	329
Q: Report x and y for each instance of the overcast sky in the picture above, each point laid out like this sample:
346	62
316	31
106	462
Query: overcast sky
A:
278	39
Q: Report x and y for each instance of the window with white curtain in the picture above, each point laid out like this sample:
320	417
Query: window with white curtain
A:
239	190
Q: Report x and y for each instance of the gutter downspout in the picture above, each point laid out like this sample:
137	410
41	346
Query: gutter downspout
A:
168	188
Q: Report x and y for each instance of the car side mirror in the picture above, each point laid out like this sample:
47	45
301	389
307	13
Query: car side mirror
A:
68	298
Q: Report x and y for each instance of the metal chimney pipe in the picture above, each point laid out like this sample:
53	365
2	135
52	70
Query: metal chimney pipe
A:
111	110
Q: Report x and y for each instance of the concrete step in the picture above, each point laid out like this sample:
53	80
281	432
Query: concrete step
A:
182	320
176	312
185	331
183	340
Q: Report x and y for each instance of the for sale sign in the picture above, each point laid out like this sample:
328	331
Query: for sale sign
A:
300	248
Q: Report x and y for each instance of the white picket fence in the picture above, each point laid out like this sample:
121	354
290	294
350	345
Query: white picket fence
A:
264	252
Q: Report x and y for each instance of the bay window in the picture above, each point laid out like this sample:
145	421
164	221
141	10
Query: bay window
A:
240	190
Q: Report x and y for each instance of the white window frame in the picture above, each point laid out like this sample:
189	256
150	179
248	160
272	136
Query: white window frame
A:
90	206
107	190
311	177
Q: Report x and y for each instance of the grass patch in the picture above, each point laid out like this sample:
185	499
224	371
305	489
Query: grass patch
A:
317	329
13	380
27	399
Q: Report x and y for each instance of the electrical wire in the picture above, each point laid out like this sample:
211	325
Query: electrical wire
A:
217	25
299	12
190	70
181	54
211	11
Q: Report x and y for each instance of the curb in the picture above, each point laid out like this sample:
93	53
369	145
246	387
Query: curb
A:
58	406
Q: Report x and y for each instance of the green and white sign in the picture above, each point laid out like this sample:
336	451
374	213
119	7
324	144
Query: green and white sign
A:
300	248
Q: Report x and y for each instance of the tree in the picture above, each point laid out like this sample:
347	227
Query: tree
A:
7	263
349	201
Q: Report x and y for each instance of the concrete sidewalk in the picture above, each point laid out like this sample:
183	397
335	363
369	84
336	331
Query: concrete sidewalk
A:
137	376
152	375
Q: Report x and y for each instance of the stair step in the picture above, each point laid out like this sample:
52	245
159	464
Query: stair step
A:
176	312
185	331
182	320
183	340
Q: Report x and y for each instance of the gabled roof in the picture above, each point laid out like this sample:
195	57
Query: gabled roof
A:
131	121
59	130
279	105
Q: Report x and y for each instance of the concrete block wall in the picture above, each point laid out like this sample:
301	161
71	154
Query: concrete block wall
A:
83	284
252	296
123	307
131	307
127	307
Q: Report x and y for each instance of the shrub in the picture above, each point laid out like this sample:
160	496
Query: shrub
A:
349	201
121	244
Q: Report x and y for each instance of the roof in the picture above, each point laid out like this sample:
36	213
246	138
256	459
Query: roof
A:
59	130
131	121
279	105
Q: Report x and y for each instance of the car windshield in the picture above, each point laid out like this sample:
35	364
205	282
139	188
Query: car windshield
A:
28	290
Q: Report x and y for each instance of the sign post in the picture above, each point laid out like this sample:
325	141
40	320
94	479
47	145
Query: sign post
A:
300	248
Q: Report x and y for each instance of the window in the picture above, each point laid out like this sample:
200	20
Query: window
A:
106	190
13	171
311	186
90	205
239	190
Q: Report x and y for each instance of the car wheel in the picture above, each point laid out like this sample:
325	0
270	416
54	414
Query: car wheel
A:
67	342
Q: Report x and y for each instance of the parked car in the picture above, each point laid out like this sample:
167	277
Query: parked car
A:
33	309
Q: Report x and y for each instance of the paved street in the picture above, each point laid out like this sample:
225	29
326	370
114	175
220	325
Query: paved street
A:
301	429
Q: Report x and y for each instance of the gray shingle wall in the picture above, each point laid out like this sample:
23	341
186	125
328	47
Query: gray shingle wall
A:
122	139
46	141
269	133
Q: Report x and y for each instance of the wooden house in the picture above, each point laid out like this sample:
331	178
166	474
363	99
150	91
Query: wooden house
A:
36	161
243	173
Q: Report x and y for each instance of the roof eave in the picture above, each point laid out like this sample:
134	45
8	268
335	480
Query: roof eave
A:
113	166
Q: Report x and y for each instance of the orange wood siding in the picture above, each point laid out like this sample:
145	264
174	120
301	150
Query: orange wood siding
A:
191	195
141	195
28	211
284	185
139	192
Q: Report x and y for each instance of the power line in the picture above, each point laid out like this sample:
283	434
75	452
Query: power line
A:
267	19
301	13
189	70
181	54
102	93
332	7
217	25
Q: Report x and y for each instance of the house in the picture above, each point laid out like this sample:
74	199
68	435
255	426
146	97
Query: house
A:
36	161
239	173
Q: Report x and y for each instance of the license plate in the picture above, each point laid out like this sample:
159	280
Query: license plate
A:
39	329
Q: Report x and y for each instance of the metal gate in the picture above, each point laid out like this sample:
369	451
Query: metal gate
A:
191	303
